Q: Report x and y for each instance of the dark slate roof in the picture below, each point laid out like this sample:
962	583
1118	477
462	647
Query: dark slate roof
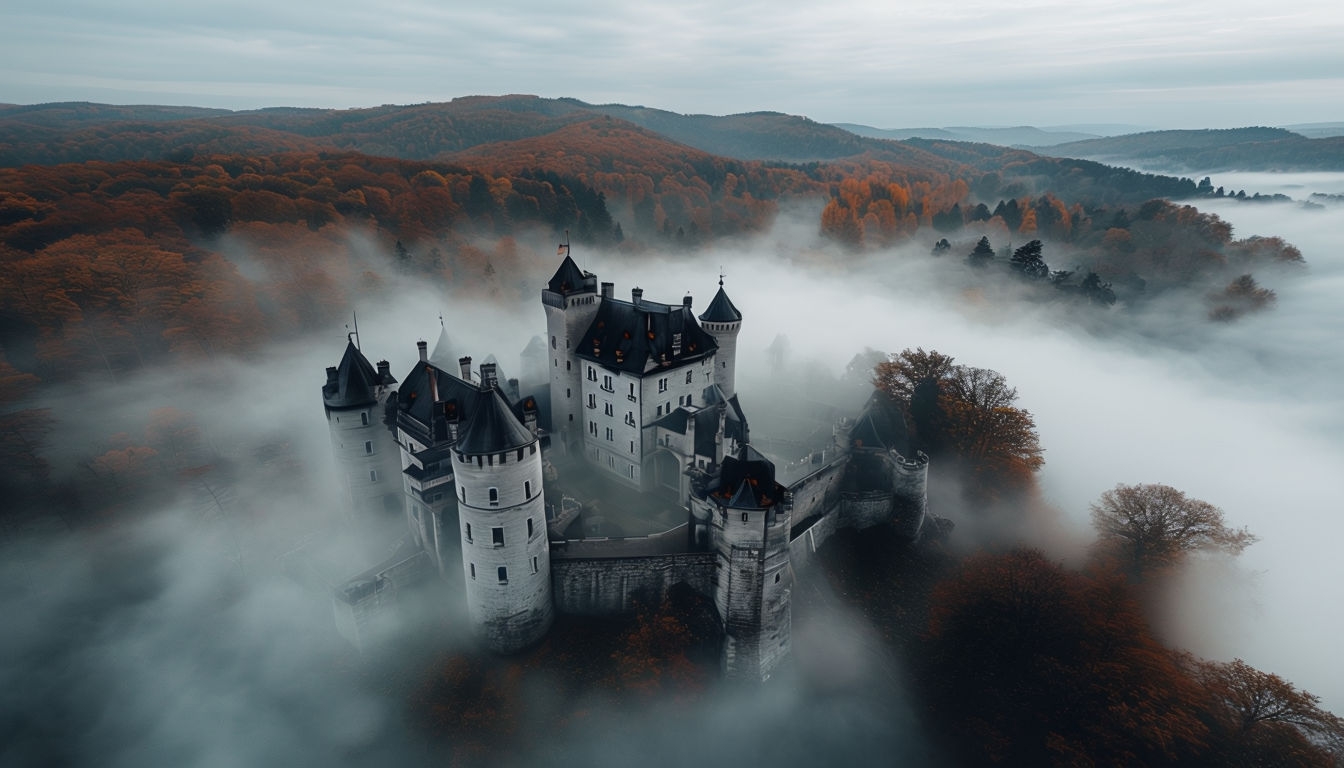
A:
415	397
628	337
707	421
569	278
747	481
492	428
356	381
721	309
881	425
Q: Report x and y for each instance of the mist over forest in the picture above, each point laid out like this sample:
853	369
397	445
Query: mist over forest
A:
164	622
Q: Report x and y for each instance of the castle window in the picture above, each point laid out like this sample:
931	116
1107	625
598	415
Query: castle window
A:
630	418
567	366
467	535
373	475
473	569
494	495
368	447
609	433
592	428
531	449
689	375
503	575
552	342
463	492
592	373
776	578
567	393
632	471
611	462
632	446
744	517
660	410
606	384
534	564
632	389
520	454
490	459
592	400
364	418
608	409
662	384
527	494
529	530
497	536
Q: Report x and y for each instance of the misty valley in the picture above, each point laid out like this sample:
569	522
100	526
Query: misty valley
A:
828	445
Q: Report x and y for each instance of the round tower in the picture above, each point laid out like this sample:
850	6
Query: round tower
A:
367	457
571	300
722	321
505	552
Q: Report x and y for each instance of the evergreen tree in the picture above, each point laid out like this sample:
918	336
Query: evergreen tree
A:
982	255
1027	262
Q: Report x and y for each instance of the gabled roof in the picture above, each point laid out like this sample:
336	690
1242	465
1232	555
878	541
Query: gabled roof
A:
569	278
721	309
356	381
747	481
630	337
492	428
881	425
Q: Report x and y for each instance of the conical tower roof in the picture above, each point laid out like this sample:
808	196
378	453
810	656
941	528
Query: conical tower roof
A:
721	309
568	278
443	355
493	428
355	384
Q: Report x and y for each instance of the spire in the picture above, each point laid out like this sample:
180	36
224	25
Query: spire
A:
353	383
721	308
443	355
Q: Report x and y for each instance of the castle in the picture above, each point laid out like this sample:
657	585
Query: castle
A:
627	471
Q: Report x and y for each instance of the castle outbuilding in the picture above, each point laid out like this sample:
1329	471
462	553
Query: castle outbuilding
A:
642	398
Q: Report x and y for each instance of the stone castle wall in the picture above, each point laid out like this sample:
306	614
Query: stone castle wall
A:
615	586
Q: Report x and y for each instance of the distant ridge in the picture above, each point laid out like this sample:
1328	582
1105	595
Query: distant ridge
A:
1018	136
1246	149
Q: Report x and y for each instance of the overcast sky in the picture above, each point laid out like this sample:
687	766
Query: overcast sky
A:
1155	63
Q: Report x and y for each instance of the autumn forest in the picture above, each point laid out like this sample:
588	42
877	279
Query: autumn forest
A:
133	239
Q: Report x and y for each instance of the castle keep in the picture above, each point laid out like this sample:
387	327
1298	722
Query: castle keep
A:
627	470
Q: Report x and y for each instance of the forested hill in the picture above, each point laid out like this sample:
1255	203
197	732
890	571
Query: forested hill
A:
1244	149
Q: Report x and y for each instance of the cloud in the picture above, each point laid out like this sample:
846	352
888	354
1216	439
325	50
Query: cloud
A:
926	63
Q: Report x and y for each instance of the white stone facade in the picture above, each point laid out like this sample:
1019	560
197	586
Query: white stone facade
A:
505	554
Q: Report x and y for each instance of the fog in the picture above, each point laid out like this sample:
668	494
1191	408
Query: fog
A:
171	634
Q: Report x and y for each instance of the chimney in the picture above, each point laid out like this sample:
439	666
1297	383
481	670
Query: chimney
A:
423	346
384	370
331	376
719	436
464	363
530	416
636	295
450	419
686	301
608	289
514	392
433	382
489	379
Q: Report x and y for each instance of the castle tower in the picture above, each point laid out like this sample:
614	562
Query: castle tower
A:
505	552
749	516
571	300
723	321
367	457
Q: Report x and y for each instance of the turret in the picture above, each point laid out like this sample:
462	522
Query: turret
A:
749	516
571	300
505	552
365	450
722	320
